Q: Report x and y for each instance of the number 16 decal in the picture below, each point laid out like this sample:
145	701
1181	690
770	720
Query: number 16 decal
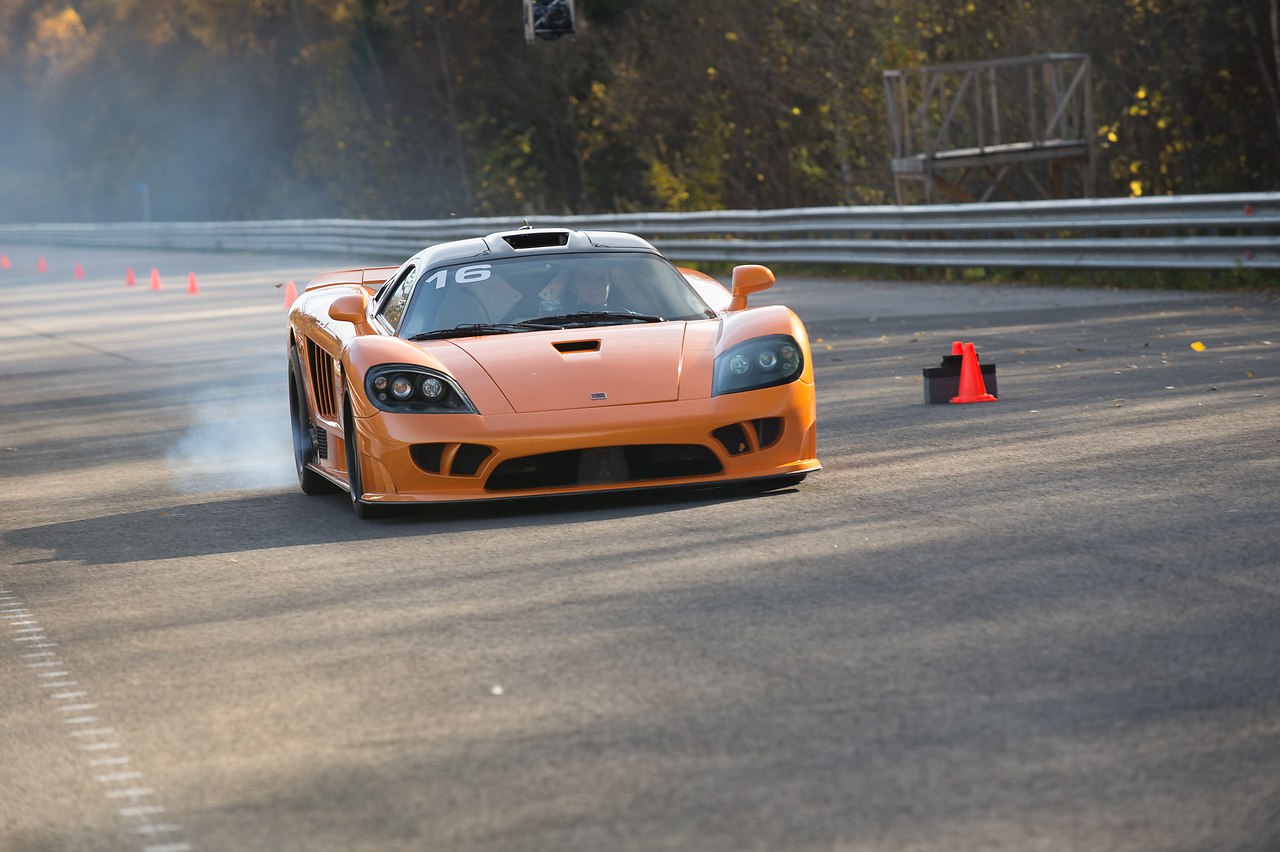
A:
462	275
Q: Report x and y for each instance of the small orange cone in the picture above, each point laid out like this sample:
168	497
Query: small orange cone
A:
42	265
155	279
4	261
957	348
130	279
290	293
972	388
79	272
192	289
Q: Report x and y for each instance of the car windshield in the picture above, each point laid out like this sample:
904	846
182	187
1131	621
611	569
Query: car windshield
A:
540	292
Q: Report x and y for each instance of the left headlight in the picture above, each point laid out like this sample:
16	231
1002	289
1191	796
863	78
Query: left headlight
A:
406	388
759	363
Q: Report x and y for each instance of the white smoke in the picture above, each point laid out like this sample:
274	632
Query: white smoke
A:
238	439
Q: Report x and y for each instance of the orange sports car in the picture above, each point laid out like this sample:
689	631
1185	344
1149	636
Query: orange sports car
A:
544	361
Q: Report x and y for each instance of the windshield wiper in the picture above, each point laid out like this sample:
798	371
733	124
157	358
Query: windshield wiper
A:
475	329
593	317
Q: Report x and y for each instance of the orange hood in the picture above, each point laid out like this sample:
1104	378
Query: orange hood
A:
583	367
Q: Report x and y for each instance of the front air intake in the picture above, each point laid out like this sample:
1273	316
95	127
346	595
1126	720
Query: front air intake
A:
604	465
450	459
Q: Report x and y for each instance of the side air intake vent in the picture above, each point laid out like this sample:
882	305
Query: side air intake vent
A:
537	239
322	380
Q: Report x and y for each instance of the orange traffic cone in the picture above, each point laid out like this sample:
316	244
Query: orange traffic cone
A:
972	388
957	348
79	271
42	265
155	279
130	279
4	261
290	293
192	289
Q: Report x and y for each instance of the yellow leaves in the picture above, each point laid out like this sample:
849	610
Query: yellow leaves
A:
598	90
1112	137
1141	94
711	73
1198	346
63	26
1135	189
795	110
58	35
1135	167
731	37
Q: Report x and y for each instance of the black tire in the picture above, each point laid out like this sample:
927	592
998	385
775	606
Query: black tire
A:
304	449
355	482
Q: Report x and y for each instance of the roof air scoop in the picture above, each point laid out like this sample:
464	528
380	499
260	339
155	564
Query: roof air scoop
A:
536	239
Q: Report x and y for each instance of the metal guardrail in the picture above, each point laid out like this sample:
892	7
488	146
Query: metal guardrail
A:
1162	232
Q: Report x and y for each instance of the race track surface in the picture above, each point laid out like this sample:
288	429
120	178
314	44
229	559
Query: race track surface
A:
1046	623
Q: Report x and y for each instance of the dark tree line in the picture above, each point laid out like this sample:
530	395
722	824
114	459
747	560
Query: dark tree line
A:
415	109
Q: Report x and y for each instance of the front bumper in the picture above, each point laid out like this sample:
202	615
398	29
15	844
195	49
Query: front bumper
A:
392	474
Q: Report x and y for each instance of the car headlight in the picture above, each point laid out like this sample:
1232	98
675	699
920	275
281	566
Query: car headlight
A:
759	363
411	389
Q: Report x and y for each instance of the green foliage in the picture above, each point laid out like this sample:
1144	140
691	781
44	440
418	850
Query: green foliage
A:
419	109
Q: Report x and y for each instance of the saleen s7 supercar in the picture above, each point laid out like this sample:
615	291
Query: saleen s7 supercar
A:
539	362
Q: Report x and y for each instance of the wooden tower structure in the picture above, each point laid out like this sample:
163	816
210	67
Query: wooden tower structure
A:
1003	129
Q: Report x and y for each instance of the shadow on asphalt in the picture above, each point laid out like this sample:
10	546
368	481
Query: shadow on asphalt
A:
291	519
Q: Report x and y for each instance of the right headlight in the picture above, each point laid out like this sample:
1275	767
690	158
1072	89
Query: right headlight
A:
759	363
417	390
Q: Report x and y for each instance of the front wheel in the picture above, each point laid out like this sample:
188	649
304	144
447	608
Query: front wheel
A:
355	483
304	449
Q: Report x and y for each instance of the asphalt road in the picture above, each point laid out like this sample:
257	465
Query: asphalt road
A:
1047	623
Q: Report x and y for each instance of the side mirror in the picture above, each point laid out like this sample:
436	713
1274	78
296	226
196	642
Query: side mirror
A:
747	280
351	308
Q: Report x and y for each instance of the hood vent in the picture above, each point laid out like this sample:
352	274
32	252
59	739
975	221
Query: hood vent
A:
578	346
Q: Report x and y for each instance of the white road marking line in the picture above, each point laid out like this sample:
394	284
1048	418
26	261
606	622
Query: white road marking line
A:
142	810
25	627
93	732
108	761
130	793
